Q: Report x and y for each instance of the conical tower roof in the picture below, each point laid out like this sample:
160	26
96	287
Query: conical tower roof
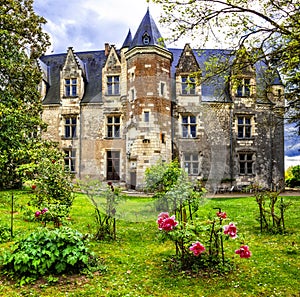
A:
127	40
147	33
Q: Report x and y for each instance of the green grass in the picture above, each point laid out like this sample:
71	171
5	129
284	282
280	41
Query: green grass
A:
138	264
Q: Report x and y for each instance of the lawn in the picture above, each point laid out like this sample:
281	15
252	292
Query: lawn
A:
138	264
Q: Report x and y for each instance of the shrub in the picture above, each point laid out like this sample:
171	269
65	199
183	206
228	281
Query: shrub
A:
46	252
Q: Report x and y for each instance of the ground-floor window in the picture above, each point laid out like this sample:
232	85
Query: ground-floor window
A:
70	159
113	165
191	163
246	163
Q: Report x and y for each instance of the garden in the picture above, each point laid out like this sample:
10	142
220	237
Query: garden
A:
176	242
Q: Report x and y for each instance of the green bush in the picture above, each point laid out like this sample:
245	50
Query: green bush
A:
46	252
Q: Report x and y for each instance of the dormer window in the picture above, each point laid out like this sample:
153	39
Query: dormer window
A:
146	39
243	89
71	87
188	85
113	85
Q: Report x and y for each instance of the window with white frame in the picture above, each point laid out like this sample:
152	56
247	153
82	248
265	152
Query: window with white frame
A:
243	89
244	126
188	126
113	126
71	87
191	163
113	85
70	159
188	85
246	163
70	127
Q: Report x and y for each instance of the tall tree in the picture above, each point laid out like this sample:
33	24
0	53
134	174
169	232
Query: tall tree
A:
270	29
22	41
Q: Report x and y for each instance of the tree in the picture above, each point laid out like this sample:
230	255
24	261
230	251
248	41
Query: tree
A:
269	29
22	41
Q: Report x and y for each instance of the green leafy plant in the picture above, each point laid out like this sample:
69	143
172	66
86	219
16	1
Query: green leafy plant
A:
46	252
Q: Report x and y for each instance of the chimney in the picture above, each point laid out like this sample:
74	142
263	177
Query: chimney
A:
107	48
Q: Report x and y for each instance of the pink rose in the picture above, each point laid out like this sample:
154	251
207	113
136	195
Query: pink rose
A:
37	213
44	210
230	230
243	251
197	248
165	222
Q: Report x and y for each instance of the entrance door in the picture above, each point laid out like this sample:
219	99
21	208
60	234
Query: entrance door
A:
113	165
132	180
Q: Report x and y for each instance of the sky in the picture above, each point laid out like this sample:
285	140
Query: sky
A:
88	24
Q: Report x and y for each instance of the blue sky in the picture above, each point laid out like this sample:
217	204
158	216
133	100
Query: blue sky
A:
88	24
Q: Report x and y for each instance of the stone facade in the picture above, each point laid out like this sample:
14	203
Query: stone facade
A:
116	112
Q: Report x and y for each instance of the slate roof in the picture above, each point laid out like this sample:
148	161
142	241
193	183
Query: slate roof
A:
92	63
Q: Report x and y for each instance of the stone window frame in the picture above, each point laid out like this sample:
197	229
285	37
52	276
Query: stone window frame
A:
191	163
113	86
113	127
71	87
244	87
70	159
186	126
188	85
246	161
70	126
244	124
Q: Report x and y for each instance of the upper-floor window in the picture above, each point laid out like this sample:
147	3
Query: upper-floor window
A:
113	126
243	89
191	163
162	89
71	87
246	163
189	126
70	126
113	85
244	126
70	159
188	85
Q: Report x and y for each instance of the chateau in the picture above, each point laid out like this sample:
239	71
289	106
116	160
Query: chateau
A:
115	112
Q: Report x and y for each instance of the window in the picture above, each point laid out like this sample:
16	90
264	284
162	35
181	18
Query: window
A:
191	163
113	126
246	163
113	165
70	157
162	89
243	88
113	85
71	87
132	94
188	85
189	126
70	127
146	116
146	38
244	127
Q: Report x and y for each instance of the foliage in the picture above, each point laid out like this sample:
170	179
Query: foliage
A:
46	252
50	182
4	232
22	41
293	178
268	29
271	221
105	213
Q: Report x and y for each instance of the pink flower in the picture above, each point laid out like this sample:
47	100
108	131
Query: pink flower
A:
243	251
37	213
197	248
222	215
230	230
165	222
44	210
